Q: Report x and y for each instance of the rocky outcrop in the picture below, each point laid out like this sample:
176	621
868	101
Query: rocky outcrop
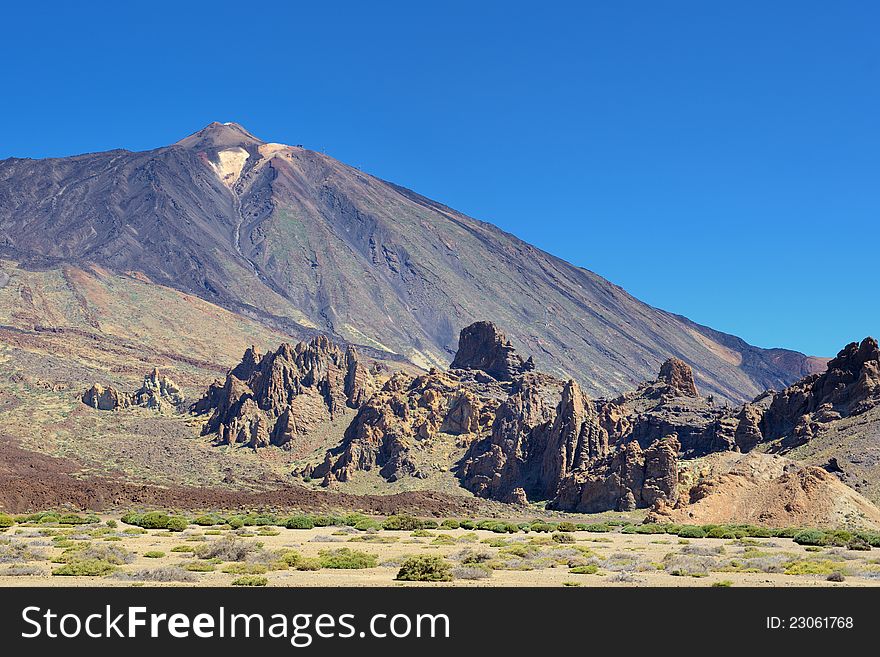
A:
629	478
481	346
406	416
849	386
678	375
274	398
105	399
670	405
158	392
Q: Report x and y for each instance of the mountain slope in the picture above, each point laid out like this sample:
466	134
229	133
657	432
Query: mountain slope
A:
305	243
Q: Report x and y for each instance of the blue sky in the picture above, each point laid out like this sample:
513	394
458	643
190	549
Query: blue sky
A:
717	159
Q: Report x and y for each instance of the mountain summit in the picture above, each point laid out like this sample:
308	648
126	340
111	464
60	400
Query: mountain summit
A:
307	244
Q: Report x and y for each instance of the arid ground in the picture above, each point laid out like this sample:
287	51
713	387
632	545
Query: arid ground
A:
108	552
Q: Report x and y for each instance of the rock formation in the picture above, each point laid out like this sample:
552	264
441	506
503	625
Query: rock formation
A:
272	399
629	478
481	346
849	386
158	392
105	399
406	413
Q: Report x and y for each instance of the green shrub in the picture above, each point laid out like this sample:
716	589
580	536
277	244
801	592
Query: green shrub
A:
469	525
200	566
430	524
721	531
244	568
208	520
811	568
112	524
308	563
597	527
724	583
154	554
810	537
424	568
870	537
326	521
85	568
691	531
291	558
647	528
346	558
235	522
447	524
786	532
566	527
300	522
6	521
177	524
250	580
183	548
589	569
403	523
154	520
367	525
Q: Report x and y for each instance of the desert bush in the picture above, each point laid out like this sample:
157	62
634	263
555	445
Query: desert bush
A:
235	522
450	524
724	583
646	528
786	532
469	525
424	568
309	563
86	568
183	548
209	520
402	523
587	569
444	539
858	543
470	556
177	524
810	537
872	538
154	554
702	551
368	525
259	520
806	567
346	558
624	576
471	571
21	570
113	554
162	574
153	520
228	548
563	538
836	576
244	568
250	580
6	521
15	551
683	565
430	524
691	531
300	522
597	527
199	566
566	527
